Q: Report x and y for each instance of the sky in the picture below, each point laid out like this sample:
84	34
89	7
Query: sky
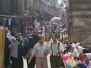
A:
59	1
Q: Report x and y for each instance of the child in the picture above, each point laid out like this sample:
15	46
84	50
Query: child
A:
85	62
77	60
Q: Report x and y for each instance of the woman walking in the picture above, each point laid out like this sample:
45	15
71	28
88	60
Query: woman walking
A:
14	52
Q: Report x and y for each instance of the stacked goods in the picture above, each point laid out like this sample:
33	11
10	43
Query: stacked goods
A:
68	60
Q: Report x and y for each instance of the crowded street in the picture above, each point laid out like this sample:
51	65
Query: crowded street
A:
45	33
25	63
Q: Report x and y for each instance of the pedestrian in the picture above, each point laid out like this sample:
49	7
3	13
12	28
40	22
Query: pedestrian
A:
65	45
84	63
35	36
7	53
29	46
74	44
25	42
56	50
20	53
40	50
68	48
20	36
14	52
74	51
89	49
32	40
77	60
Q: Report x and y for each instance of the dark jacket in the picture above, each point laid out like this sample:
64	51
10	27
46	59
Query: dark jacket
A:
25	42
20	51
67	49
35	38
7	52
29	45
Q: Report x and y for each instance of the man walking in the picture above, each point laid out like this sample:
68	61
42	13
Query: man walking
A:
40	50
32	40
56	50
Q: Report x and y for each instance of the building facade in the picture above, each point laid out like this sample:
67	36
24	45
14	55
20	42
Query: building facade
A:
8	7
79	19
54	3
29	7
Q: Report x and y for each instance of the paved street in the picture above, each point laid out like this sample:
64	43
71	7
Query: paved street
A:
25	64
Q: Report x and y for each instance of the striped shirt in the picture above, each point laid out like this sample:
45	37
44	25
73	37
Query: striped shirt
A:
40	50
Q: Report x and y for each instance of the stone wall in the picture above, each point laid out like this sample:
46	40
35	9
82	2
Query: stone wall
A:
80	19
5	6
10	6
87	42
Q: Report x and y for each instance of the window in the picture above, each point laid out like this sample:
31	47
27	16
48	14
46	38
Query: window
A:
25	4
13	6
0	6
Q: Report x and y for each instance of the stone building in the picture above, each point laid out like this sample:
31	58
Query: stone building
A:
22	7
79	19
54	8
11	7
8	6
54	3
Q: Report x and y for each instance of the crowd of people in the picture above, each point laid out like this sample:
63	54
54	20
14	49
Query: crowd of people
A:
16	48
81	55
